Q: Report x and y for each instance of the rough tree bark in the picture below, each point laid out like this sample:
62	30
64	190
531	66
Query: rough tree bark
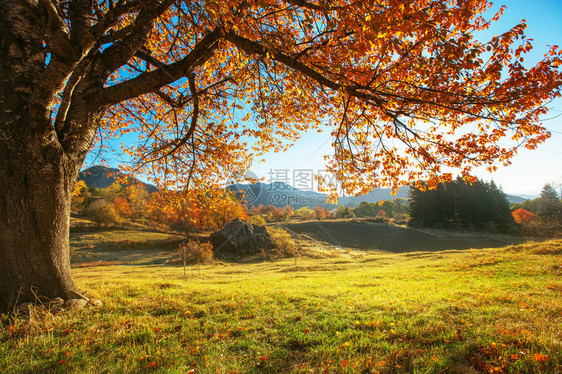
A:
37	171
34	221
45	52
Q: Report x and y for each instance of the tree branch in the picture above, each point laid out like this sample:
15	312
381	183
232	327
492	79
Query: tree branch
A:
57	37
81	14
66	100
252	47
120	52
178	143
152	80
307	5
112	16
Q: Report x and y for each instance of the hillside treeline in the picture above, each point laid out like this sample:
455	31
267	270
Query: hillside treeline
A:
542	216
458	204
177	210
454	205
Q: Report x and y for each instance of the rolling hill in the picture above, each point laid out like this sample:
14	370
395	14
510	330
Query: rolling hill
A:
101	177
278	194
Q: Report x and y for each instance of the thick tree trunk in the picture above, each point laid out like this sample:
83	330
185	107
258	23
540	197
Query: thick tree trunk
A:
38	161
35	188
37	172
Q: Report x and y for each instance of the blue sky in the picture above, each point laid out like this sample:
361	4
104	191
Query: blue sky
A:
529	170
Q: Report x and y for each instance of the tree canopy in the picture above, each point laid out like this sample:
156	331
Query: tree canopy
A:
404	86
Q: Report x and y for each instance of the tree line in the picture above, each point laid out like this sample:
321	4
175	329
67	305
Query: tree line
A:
541	216
451	205
185	211
458	204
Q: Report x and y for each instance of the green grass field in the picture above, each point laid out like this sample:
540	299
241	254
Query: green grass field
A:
485	310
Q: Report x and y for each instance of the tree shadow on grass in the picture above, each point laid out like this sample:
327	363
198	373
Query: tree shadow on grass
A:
369	236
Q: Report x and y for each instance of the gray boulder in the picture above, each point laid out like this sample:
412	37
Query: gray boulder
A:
239	238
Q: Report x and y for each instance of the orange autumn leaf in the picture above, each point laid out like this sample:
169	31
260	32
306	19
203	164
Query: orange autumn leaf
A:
152	365
540	357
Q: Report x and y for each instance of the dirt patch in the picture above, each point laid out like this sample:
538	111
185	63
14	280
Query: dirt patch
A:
371	236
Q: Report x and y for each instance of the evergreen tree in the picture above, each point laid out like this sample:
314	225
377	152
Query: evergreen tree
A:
501	205
549	208
460	204
417	207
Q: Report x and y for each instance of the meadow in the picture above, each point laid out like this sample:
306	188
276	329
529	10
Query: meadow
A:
490	310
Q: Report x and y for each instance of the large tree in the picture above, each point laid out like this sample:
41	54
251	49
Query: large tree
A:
404	87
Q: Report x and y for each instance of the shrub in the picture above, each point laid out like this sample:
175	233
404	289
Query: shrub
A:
286	247
122	206
195	252
257	220
304	213
533	229
344	212
522	216
103	213
379	219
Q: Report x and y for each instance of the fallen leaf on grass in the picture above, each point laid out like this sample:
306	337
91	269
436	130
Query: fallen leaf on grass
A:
152	365
540	357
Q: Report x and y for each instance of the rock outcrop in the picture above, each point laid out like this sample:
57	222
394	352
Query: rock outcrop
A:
239	238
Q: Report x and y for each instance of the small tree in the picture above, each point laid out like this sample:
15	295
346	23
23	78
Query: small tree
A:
138	197
102	213
522	216
305	213
270	213
344	212
194	252
80	196
287	212
322	213
122	206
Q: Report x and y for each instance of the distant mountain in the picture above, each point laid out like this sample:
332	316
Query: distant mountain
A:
376	195
101	177
383	194
279	194
514	199
529	197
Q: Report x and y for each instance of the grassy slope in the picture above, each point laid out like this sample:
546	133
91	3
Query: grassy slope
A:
362	234
121	246
466	311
